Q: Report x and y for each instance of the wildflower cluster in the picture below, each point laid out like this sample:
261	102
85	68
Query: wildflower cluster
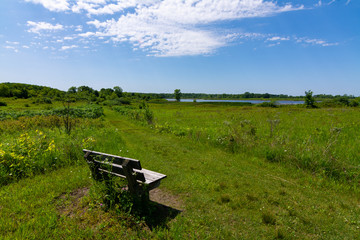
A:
88	143
25	154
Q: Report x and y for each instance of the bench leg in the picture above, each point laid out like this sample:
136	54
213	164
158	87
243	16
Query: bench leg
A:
132	183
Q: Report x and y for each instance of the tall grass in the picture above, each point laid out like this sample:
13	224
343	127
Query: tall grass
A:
35	145
87	111
323	141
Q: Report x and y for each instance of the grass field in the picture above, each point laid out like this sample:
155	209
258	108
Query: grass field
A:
234	172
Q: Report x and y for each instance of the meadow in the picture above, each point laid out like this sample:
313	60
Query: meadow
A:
323	141
234	171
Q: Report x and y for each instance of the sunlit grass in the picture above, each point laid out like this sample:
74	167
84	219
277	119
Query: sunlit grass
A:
320	140
226	192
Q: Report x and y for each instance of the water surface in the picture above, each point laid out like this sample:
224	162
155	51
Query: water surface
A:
281	102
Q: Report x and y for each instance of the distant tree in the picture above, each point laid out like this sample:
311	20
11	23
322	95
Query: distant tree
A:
309	99
112	96
4	91
177	94
118	91
85	89
247	95
266	95
105	92
72	90
343	100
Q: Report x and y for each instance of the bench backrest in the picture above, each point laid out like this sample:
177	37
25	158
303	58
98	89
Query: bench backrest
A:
112	164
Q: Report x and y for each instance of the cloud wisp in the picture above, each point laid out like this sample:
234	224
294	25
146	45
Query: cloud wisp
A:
38	27
165	28
177	28
52	5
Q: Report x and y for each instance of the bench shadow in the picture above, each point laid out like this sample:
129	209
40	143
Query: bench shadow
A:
160	215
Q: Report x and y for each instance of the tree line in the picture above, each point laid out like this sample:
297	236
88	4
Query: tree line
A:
109	95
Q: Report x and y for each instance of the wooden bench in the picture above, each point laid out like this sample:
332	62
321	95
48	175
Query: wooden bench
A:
139	180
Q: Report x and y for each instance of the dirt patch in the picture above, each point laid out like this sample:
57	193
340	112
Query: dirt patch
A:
70	203
167	206
165	198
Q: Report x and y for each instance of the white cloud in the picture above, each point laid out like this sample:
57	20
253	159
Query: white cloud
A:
37	27
63	48
78	28
52	5
100	7
13	43
177	27
87	34
276	38
315	42
12	48
168	27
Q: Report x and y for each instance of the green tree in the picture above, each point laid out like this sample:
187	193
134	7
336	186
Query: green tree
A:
4	91
118	91
177	94
72	90
309	99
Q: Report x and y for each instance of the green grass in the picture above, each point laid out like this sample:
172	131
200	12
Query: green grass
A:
323	141
223	194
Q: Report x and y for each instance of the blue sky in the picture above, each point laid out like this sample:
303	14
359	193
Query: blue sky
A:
207	46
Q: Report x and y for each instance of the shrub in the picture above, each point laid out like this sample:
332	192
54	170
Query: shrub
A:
3	104
42	100
26	155
339	102
342	101
142	113
272	104
88	111
117	102
354	103
309	99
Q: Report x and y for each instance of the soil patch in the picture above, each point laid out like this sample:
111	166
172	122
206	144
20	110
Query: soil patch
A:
165	198
71	202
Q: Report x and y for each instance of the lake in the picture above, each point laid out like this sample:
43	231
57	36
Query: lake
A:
281	102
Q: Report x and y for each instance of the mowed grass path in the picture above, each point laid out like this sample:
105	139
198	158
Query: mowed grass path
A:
223	195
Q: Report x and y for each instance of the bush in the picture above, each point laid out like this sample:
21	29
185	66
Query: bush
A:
354	103
38	151
340	102
3	104
272	104
142	113
88	111
309	99
42	100
117	102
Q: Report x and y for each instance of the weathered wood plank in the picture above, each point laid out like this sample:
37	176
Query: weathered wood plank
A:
135	164
151	176
118	169
132	183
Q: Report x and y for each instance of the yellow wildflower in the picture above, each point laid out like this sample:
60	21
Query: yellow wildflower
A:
2	152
